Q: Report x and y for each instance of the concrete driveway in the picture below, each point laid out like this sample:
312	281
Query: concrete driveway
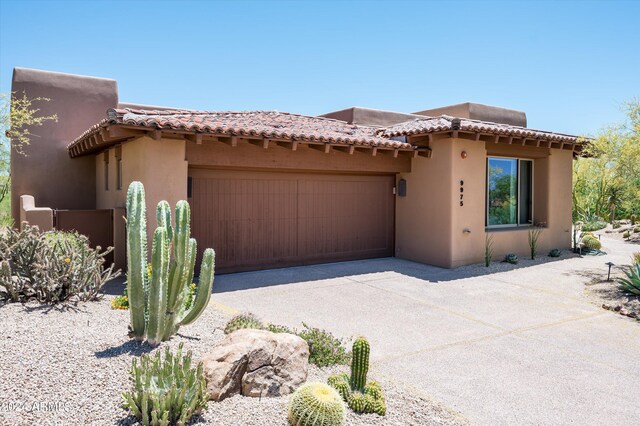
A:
523	347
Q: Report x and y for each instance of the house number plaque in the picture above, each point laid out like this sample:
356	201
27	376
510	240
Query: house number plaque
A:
461	193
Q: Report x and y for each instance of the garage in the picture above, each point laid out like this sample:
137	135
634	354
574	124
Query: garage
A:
259	220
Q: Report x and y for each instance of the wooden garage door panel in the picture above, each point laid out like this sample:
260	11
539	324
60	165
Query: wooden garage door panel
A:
257	220
338	216
246	221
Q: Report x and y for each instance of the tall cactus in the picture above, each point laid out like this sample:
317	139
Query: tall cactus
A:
360	363
159	309
137	258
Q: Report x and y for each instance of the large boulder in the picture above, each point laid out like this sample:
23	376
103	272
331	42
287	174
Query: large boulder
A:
256	363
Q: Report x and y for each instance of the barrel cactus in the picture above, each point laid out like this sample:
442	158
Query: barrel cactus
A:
241	321
591	242
157	299
361	396
316	404
626	234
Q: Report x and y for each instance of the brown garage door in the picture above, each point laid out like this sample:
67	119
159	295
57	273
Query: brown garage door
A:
258	220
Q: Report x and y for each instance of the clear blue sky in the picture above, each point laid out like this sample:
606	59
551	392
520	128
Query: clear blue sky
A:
569	64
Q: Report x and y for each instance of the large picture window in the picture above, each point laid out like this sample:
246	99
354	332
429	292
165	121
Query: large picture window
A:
509	192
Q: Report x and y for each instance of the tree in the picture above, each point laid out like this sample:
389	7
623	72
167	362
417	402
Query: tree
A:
18	116
607	180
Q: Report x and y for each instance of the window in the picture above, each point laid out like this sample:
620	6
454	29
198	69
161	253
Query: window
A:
509	192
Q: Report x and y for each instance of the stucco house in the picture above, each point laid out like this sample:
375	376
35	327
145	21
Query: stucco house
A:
273	189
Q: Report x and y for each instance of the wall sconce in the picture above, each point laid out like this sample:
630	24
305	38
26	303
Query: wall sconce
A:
463	154
466	231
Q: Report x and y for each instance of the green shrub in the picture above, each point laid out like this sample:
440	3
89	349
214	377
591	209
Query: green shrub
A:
594	226
316	404
361	396
555	253
324	348
631	284
166	390
240	321
511	258
50	267
121	302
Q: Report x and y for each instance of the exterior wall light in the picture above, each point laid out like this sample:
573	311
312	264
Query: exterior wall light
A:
463	154
609	264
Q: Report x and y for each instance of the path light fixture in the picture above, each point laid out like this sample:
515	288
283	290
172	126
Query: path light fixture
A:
609	264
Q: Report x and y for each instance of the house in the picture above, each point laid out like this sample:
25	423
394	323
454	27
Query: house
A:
273	189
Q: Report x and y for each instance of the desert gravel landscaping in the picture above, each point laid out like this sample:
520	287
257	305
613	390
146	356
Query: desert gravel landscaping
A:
68	365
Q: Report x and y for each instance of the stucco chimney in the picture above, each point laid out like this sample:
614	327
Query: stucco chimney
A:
480	112
47	172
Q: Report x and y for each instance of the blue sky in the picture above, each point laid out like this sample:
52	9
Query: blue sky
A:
569	64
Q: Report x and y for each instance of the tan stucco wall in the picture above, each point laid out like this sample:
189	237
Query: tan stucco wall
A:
47	172
431	224
424	216
159	164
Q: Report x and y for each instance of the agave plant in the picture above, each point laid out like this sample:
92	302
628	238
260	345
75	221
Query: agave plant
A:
631	284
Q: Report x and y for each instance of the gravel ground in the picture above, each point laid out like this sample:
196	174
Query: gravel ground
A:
68	365
609	296
498	265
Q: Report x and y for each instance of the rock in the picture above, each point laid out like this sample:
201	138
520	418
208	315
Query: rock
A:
617	308
605	306
256	363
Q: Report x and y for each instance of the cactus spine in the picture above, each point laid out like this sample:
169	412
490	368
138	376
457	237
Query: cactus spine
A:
158	303
360	363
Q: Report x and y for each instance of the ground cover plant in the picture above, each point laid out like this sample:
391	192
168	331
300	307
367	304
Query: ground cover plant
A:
166	389
157	299
324	348
511	258
361	396
50	267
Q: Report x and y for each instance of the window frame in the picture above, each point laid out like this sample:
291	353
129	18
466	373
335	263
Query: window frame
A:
106	170
486	187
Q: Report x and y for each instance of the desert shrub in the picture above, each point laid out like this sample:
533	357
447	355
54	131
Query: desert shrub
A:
633	218
315	404
616	224
488	249
511	258
324	348
245	320
121	302
532	238
50	267
555	253
594	226
166	390
635	258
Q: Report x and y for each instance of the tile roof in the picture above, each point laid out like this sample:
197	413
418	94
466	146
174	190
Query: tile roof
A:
266	124
446	123
281	125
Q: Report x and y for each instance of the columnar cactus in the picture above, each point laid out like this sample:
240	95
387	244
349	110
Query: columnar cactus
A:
157	300
316	404
360	363
360	396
